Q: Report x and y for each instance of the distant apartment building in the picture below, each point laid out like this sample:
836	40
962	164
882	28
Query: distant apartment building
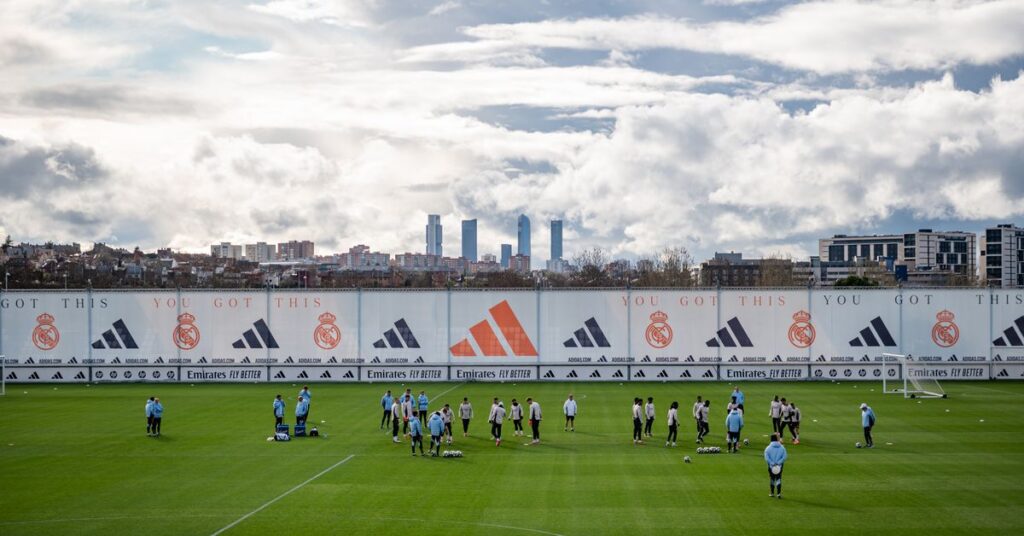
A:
226	250
260	252
417	262
434	235
557	266
295	250
924	255
519	263
360	258
489	257
469	240
732	270
1002	256
506	255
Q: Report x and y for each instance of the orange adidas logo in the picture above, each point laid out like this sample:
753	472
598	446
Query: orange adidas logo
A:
490	346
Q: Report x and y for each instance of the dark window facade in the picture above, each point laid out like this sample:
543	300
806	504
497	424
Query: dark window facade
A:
890	250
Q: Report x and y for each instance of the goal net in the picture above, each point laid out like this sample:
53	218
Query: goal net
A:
919	378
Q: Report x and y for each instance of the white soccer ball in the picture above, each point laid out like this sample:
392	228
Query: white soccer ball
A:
686	459
271	438
746	442
858	445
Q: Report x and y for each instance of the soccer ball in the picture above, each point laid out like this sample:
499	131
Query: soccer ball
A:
858	445
746	442
686	459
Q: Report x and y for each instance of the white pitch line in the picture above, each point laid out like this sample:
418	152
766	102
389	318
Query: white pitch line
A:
283	495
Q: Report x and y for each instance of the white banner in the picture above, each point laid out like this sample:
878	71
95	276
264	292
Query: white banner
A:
497	328
405	327
763	372
867	371
695	373
47	375
764	327
1007	326
950	371
945	326
402	374
134	374
673	326
313	328
854	325
223	374
492	374
1008	371
608	373
314	374
584	327
43	327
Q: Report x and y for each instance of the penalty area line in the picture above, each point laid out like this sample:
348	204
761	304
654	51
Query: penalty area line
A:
281	496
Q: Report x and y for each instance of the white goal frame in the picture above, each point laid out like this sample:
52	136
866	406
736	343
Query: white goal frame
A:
913	386
3	375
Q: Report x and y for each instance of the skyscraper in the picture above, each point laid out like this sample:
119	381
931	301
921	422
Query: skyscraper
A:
506	254
434	232
469	240
556	239
523	247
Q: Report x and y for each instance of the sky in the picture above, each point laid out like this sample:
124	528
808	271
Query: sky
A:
744	125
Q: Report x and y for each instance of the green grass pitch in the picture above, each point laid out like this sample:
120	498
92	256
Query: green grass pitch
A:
75	459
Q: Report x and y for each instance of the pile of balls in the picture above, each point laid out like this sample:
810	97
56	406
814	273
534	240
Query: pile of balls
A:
452	454
709	450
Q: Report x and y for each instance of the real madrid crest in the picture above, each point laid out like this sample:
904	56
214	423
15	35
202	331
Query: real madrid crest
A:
186	334
801	332
327	335
945	332
45	336
659	333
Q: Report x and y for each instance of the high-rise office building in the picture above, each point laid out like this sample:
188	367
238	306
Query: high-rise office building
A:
434	234
523	234
506	254
1002	256
469	240
556	239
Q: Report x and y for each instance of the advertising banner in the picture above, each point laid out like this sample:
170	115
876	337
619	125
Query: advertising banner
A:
763	372
43	328
764	327
1008	371
670	373
945	325
497	328
584	327
492	374
853	326
1007	324
314	374
673	326
402	374
30	374
855	371
606	373
127	373
403	328
313	328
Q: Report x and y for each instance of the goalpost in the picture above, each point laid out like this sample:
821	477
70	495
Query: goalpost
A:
919	378
3	375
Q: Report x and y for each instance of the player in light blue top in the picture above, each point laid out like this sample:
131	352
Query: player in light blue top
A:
739	396
158	415
775	455
422	400
436	426
415	433
385	404
149	416
278	411
867	420
301	410
734	425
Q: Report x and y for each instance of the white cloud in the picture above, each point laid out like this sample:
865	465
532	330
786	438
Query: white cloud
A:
445	7
823	37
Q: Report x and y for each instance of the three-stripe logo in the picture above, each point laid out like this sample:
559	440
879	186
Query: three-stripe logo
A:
581	337
738	336
117	338
867	336
1011	336
250	340
487	340
393	339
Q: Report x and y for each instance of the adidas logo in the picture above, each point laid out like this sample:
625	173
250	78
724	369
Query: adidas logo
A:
326	374
332	360
777	359
490	346
738	336
201	360
733	359
250	340
1011	336
348	375
596	336
550	374
279	375
394	339
595	374
646	359
122	339
708	374
997	358
246	360
953	358
116	361
689	359
57	376
1003	374
618	374
80	375
865	358
159	360
34	376
572	374
289	360
639	374
303	374
663	374
12	376
820	358
602	359
30	361
73	360
685	374
867	336
375	360
418	360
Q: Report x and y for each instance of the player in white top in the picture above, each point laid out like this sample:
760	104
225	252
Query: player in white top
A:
446	417
490	417
703	428
517	417
465	413
396	416
649	413
794	423
638	421
569	408
673	424
499	418
696	414
776	414
535	417
787	415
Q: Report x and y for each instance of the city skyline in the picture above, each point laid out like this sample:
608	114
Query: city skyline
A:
716	125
